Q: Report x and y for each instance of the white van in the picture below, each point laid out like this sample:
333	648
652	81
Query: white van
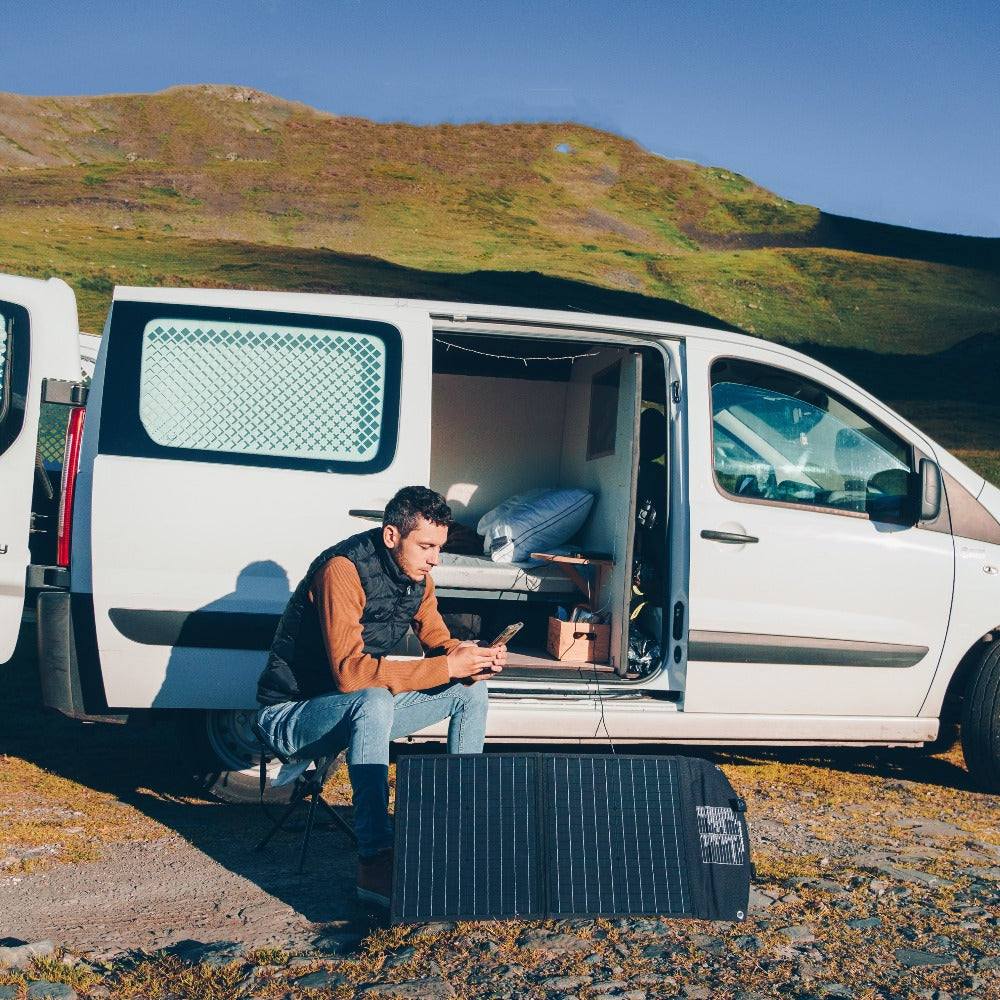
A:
823	573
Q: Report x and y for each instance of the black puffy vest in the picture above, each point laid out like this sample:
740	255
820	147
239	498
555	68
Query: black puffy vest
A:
297	667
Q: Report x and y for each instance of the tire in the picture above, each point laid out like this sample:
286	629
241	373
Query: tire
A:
981	720
225	762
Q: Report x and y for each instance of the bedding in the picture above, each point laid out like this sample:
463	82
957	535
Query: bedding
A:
535	521
464	572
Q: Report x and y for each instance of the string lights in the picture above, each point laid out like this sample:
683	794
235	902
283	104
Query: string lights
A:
512	357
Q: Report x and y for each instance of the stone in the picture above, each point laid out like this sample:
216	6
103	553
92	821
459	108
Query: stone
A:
563	982
989	962
338	942
912	875
216	953
825	884
748	942
401	957
864	923
10	992
913	958
934	828
42	990
613	986
501	974
709	944
798	933
697	993
759	900
431	988
540	939
834	990
654	951
440	927
322	979
18	955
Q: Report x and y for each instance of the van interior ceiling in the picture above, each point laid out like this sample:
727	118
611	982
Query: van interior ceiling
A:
512	414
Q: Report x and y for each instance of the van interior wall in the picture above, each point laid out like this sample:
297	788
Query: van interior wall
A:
492	438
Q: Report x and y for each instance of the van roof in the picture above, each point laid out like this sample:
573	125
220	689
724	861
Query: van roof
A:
651	315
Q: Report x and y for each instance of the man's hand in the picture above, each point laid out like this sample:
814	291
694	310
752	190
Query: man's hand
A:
470	661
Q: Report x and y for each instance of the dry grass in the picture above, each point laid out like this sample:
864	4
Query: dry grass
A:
47	819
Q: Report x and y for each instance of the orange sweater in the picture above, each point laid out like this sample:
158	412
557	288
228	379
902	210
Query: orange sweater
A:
339	599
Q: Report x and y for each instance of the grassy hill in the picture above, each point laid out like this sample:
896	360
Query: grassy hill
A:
228	186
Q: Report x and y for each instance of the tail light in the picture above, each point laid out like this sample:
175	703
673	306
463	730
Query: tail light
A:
71	465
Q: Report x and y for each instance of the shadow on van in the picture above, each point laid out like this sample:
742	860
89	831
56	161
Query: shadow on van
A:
211	644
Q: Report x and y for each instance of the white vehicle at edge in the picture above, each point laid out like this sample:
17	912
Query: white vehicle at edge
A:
823	572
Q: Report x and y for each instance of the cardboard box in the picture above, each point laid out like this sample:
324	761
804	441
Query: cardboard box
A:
581	642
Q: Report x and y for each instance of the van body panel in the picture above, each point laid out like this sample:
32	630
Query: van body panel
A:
813	576
651	721
38	340
976	613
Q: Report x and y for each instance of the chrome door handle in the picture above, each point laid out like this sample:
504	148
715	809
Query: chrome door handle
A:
729	537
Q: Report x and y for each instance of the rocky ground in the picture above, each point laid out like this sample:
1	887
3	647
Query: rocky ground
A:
878	875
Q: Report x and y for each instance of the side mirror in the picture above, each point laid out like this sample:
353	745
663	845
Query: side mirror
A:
930	490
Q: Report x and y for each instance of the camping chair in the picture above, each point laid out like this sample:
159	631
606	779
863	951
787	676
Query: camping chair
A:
307	789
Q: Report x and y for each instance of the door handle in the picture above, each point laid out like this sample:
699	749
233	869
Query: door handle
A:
368	515
729	537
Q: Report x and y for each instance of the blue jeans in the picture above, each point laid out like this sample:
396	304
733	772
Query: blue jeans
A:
365	722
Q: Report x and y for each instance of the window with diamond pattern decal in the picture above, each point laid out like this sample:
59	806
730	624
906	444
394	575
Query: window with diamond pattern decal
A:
258	389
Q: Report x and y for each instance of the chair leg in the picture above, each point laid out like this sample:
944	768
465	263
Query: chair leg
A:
314	799
309	789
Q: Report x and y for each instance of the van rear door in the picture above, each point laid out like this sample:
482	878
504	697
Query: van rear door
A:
240	433
38	340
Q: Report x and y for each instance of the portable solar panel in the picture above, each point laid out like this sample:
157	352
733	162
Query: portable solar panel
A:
545	835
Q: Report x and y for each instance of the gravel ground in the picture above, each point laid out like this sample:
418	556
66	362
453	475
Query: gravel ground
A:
878	876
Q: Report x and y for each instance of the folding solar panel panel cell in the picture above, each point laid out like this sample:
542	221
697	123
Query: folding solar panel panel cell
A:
616	844
467	837
538	835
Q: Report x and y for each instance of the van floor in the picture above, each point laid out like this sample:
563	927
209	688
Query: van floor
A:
539	665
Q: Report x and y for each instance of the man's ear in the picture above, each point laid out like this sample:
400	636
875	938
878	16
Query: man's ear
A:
391	536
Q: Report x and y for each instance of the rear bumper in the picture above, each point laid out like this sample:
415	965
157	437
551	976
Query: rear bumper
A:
68	663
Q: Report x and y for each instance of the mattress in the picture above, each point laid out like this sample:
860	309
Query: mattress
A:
457	572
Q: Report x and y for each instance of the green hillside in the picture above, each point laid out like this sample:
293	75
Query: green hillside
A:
226	186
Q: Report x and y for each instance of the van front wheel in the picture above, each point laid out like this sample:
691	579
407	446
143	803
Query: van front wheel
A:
226	762
981	720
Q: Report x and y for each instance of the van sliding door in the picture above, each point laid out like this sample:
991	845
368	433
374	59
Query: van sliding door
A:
600	453
240	436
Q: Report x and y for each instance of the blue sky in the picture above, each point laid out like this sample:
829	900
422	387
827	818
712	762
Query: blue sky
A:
882	110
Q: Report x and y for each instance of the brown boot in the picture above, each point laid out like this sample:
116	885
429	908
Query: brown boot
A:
375	878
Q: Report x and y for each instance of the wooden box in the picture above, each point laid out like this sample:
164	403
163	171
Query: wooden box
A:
581	642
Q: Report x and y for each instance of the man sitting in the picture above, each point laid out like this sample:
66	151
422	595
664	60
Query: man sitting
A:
329	681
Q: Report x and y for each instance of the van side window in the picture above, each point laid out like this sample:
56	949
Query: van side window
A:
252	387
602	430
782	438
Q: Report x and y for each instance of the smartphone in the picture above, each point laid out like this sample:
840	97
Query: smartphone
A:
507	634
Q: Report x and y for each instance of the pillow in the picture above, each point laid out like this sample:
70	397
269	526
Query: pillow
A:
533	522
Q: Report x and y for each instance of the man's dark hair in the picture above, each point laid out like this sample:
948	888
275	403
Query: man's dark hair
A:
412	502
